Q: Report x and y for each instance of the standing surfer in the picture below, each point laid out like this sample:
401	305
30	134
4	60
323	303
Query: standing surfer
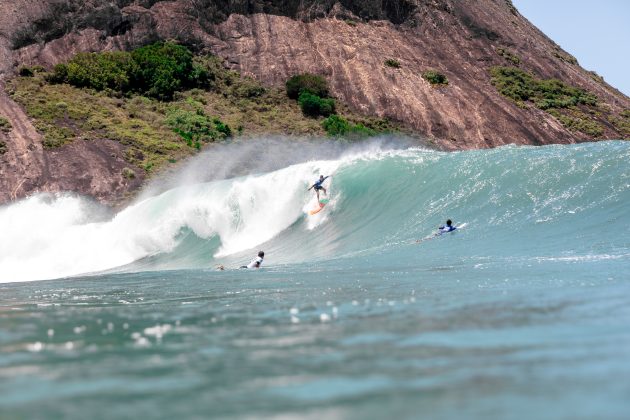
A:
318	185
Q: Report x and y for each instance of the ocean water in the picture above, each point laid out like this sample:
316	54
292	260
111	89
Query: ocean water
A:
524	313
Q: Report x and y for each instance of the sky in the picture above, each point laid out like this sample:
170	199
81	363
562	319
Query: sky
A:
597	33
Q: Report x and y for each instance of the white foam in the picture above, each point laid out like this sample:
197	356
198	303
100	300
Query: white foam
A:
52	236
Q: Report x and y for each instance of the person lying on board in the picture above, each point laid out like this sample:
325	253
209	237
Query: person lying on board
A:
318	185
255	263
448	227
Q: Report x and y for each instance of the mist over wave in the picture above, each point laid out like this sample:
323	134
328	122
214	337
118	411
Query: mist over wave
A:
522	204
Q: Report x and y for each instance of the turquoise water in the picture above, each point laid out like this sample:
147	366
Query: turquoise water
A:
524	313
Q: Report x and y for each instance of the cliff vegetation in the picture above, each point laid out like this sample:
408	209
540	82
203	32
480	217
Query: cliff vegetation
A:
163	104
574	107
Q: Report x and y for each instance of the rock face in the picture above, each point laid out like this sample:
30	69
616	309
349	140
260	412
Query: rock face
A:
348	41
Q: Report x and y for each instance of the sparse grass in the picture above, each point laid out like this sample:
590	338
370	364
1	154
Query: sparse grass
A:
63	113
596	77
128	173
544	93
435	78
622	123
551	95
509	56
563	56
576	120
390	62
350	22
5	125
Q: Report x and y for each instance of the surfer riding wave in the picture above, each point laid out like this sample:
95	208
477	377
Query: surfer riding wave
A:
318	185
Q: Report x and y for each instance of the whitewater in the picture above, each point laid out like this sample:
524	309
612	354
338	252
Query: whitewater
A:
521	314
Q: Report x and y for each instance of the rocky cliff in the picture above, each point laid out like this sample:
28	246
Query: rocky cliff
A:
347	41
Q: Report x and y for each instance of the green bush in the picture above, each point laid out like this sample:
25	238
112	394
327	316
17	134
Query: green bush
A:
3	147
59	74
196	127
314	106
25	71
163	68
337	126
307	83
99	71
157	70
222	128
435	77
390	62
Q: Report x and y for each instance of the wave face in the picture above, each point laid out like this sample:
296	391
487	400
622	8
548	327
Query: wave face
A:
522	205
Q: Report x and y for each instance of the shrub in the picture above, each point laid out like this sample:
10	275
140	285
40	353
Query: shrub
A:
196	127
157	70
25	71
310	104
563	56
163	68
59	74
57	137
390	62
434	77
222	128
5	125
3	147
596	77
508	55
313	105
306	83
248	88
100	71
327	107
338	126
128	173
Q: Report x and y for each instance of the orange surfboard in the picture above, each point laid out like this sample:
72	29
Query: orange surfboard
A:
322	203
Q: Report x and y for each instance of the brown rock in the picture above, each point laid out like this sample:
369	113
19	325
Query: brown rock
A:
274	39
